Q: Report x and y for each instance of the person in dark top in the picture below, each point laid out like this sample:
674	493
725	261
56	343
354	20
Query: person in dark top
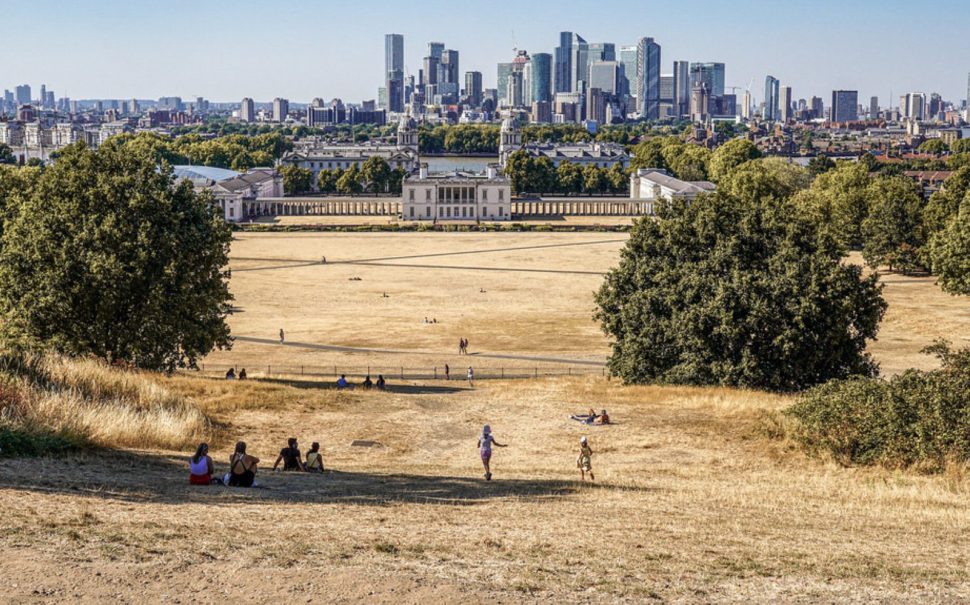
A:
368	383
242	467
231	374
242	374
380	382
290	457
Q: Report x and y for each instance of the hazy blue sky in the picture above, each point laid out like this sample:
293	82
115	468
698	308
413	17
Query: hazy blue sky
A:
226	50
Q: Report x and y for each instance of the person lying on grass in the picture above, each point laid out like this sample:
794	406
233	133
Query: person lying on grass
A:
290	457
588	418
200	467
242	467
314	460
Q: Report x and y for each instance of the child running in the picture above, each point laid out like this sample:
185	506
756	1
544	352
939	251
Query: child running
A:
585	460
485	443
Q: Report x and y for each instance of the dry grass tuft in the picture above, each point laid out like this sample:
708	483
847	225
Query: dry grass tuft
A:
87	402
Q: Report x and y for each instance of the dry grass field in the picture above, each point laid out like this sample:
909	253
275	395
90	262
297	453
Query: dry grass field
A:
698	496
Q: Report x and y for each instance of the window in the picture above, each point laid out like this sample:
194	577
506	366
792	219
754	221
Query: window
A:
484	195
427	195
501	211
464	212
427	211
412	211
411	194
501	195
232	212
449	212
441	211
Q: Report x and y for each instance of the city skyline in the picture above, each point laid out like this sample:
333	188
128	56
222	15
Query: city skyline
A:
815	54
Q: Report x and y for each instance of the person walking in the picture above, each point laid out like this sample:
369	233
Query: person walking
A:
282	336
585	460
485	443
461	346
471	377
447	372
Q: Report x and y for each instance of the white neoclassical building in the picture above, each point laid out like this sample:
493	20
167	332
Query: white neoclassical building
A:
652	184
456	196
594	153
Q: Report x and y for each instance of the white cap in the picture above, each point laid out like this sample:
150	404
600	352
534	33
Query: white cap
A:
582	439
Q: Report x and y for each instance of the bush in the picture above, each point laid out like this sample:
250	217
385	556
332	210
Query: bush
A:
916	419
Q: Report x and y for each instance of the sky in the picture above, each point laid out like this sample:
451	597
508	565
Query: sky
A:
225	50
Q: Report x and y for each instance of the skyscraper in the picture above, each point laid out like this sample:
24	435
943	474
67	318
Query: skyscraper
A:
968	98
771	98
504	69
711	74
628	69
43	96
579	64
784	104
746	105
845	106
449	67
430	70
914	106
394	71
436	50
541	76
562	74
605	75
281	108
681	98
648	73
601	51
23	94
473	87
247	110
873	108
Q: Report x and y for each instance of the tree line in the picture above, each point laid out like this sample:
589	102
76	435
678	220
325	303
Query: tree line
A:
375	176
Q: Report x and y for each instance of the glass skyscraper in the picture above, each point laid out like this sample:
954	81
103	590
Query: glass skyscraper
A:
772	93
394	71
541	76
648	74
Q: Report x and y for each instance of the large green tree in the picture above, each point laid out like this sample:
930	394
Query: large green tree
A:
296	180
949	253
108	255
730	155
893	230
737	291
376	173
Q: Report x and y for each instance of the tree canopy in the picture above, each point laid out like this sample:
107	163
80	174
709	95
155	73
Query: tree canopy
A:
738	289
106	255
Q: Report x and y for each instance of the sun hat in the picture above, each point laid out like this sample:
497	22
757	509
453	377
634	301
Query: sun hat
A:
582	439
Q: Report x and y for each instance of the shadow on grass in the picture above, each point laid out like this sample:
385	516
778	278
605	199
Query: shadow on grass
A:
154	478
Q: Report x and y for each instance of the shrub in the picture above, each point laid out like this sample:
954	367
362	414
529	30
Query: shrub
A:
915	419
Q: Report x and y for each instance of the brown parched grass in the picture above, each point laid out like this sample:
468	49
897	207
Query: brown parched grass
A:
87	402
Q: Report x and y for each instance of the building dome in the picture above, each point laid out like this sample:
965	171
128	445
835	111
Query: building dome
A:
407	123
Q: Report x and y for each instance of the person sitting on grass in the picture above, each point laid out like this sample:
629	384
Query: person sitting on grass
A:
314	460
290	456
200	467
242	374
231	374
585	460
242	467
368	383
603	418
342	382
381	383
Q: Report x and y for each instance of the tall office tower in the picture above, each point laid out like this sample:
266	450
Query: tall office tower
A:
23	94
430	71
394	72
667	88
710	74
49	100
935	106
281	108
43	96
541	76
449	67
628	69
133	107
845	106
771	112
504	69
601	51
473	88
563	56
784	104
746	105
873	108
579	64
247	110
596	105
968	98
914	106
605	75
817	108
515	95
436	50
648	73
700	103
681	89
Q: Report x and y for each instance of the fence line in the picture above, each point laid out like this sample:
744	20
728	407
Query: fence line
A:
406	373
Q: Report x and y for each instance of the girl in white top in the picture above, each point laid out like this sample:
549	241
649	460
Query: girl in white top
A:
485	443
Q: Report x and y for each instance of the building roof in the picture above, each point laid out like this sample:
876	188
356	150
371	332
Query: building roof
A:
676	185
198	173
599	151
458	176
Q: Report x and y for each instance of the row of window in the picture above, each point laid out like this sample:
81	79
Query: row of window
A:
343	165
444	198
453	212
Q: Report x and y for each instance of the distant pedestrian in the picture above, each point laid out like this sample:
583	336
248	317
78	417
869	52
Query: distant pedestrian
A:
461	346
381	383
282	336
471	377
242	374
231	374
585	460
447	372
324	260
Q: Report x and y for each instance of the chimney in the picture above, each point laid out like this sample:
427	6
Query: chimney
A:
491	172
423	172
